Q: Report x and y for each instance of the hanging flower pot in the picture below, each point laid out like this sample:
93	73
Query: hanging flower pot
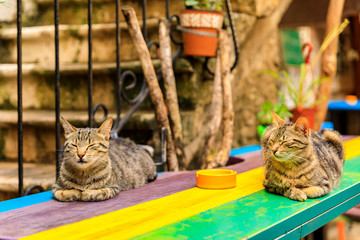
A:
309	113
199	31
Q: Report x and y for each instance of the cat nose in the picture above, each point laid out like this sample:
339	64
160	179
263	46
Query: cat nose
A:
81	155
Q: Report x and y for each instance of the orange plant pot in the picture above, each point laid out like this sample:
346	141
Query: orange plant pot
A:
196	45
309	113
202	21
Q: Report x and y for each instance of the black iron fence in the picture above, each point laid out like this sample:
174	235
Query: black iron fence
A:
120	77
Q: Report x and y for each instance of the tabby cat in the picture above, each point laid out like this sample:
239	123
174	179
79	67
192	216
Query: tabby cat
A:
95	168
301	163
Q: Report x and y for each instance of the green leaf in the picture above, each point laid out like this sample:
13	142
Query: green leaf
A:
311	88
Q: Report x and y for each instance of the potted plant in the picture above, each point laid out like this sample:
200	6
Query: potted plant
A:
300	93
301	96
264	116
200	22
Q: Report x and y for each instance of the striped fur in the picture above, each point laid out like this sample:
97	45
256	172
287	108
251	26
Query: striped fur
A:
95	168
301	163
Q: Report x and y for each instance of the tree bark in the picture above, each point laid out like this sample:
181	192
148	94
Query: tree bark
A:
170	90
213	125
152	83
328	61
221	158
228	111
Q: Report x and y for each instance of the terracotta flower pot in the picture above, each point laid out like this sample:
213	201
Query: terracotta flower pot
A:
309	113
203	21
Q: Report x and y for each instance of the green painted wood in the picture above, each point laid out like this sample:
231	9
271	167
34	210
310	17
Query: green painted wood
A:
321	220
292	47
267	216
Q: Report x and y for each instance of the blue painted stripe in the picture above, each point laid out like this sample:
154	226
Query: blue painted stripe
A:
25	201
246	149
343	105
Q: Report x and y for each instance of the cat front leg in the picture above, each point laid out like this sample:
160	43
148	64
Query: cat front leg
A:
295	194
64	195
99	194
273	188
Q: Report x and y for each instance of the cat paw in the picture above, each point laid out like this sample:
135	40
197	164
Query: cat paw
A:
295	194
67	195
315	191
95	195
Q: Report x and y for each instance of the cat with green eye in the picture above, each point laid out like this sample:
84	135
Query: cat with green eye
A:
95	168
300	163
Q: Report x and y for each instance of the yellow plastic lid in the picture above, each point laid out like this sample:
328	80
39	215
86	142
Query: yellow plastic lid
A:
216	178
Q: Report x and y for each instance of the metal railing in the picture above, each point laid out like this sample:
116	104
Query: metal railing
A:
120	78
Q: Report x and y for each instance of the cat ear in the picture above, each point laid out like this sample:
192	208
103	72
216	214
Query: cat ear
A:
277	121
105	128
68	128
302	125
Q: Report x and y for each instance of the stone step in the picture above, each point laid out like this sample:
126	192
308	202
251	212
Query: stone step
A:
38	43
41	12
34	174
39	132
38	85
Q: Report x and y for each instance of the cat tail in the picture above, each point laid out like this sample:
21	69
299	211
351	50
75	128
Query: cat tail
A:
333	138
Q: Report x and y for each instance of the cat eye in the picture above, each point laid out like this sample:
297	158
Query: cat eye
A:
91	145
73	145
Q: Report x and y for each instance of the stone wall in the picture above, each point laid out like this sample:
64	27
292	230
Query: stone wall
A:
259	51
256	28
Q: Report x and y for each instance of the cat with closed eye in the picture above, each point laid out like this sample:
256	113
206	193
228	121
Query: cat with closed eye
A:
300	163
95	168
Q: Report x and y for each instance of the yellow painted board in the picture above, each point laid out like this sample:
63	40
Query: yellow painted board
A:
352	148
144	217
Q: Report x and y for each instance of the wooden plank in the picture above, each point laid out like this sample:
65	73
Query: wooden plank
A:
352	148
32	219
25	201
321	220
253	216
154	214
29	220
355	33
141	218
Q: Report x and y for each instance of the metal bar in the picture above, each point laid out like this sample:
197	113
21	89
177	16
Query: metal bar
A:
144	21
228	9
90	75
57	87
167	10
118	87
19	106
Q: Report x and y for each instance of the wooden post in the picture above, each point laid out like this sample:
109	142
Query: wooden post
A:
152	83
222	156
213	125
228	111
170	90
328	61
355	30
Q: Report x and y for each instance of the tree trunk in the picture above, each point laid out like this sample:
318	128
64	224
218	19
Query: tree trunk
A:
152	83
213	125
222	156
170	90
228	111
328	61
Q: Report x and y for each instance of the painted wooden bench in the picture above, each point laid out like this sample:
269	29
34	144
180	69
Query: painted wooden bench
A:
172	207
